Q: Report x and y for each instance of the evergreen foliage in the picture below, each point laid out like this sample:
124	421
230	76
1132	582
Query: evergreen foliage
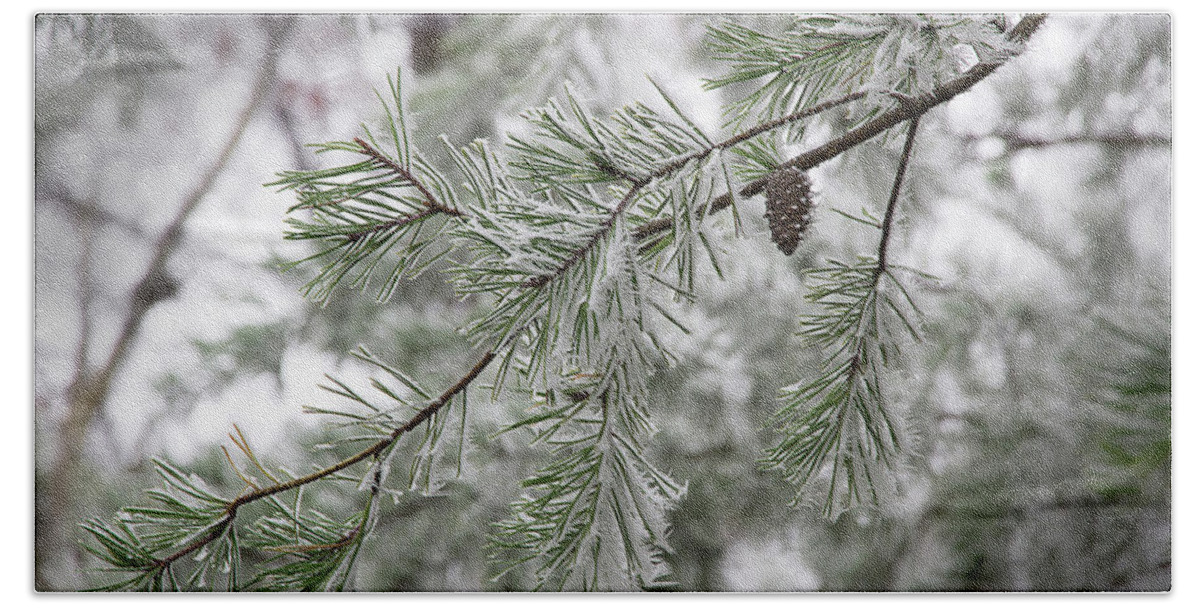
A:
583	237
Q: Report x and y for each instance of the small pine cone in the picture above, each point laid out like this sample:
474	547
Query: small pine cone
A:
789	207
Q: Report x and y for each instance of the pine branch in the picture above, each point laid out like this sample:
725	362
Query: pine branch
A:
433	206
597	478
431	201
216	532
757	130
556	172
906	110
676	165
321	549
838	422
356	223
578	254
230	509
399	222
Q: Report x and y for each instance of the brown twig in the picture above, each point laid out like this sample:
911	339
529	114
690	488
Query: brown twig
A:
398	222
373	450
432	205
579	252
673	166
1016	141
890	214
430	201
757	130
344	541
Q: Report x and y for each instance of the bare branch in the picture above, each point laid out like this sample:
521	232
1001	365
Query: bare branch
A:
1124	141
88	391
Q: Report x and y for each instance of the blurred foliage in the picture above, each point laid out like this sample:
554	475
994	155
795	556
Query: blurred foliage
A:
84	57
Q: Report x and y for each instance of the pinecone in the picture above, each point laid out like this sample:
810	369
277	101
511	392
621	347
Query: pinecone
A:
789	207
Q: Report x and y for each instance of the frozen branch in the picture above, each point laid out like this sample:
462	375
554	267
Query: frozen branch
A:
432	206
431	201
905	110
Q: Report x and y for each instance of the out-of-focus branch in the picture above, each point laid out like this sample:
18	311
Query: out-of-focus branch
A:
89	389
86	211
1126	140
83	270
1064	503
156	282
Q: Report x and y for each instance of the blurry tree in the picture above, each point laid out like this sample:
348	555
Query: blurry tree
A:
82	57
578	252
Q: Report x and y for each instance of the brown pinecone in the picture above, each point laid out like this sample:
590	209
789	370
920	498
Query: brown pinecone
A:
789	207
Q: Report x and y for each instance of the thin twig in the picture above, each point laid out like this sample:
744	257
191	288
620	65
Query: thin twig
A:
373	450
432	205
345	540
217	530
430	201
579	252
676	165
1016	141
87	290
889	215
398	222
758	130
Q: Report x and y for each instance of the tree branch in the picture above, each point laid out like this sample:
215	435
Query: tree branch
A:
168	241
430	200
605	228
398	222
675	165
432	207
375	450
759	130
1128	140
906	110
1062	503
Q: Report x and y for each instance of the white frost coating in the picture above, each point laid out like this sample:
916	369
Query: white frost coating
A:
965	57
618	306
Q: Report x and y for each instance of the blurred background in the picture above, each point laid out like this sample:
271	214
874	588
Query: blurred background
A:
1036	411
